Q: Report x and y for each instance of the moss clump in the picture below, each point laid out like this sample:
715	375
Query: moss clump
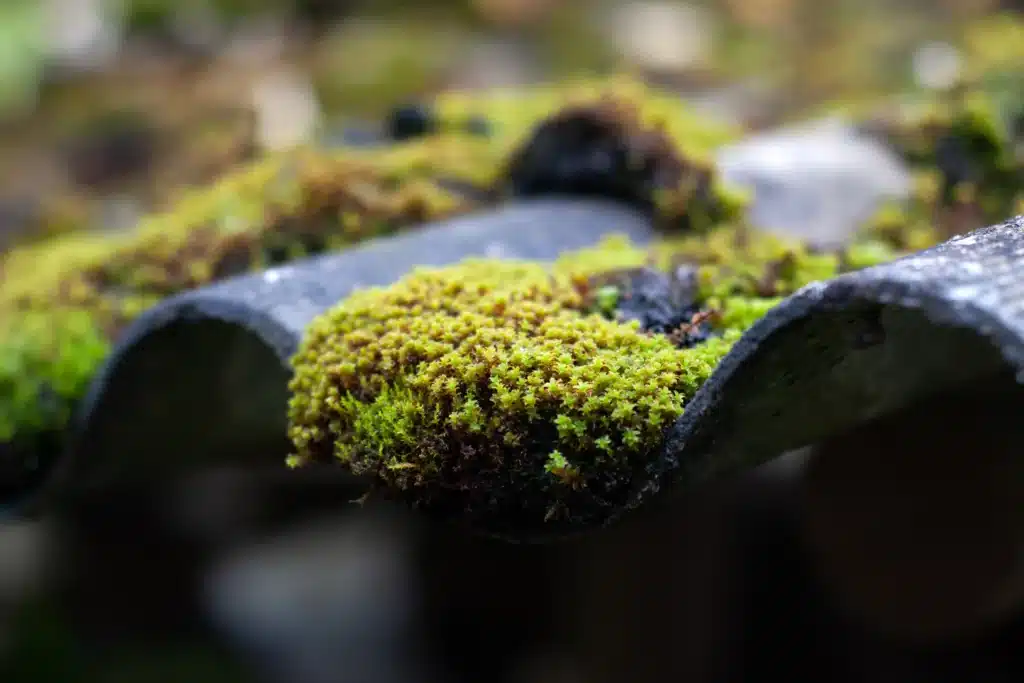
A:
46	362
285	207
274	211
613	138
486	391
289	206
531	400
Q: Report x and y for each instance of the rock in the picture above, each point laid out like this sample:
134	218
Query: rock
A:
818	183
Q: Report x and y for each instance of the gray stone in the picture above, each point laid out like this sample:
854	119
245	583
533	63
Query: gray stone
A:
818	182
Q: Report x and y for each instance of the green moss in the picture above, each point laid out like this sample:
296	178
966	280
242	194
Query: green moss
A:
466	388
508	394
964	149
289	206
277	210
740	312
734	260
867	253
45	364
511	395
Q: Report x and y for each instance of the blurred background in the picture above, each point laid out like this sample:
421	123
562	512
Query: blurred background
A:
108	108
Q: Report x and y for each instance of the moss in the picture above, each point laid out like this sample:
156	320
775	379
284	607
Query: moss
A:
292	205
616	138
867	253
39	365
964	149
515	396
277	210
734	260
46	362
466	387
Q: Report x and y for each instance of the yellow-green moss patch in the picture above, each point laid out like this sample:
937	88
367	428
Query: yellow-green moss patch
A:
282	208
288	206
46	363
460	386
514	395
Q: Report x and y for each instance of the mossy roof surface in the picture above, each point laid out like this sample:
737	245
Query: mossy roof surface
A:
286	206
290	205
512	395
572	437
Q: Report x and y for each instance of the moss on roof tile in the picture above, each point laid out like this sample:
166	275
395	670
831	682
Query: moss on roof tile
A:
284	207
515	396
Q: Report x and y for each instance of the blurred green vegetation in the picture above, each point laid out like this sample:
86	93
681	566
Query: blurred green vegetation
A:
22	54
